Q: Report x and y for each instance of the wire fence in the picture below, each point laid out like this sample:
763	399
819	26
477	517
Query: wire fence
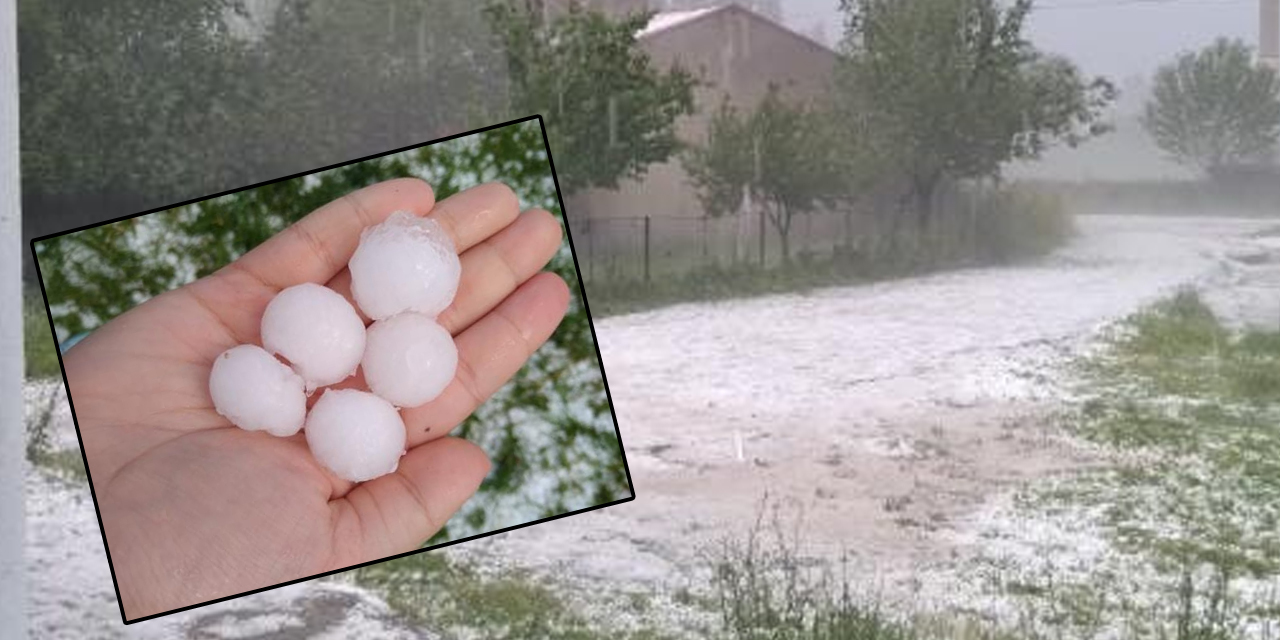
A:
647	248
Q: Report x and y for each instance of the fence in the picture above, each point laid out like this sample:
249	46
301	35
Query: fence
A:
648	248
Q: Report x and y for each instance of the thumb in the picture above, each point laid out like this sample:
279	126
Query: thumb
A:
395	513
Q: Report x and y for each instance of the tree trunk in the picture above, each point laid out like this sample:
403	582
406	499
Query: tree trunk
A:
12	594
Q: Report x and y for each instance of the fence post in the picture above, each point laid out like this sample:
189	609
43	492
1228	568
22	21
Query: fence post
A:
762	238
705	261
646	249
591	250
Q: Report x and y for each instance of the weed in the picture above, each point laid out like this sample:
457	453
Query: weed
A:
40	347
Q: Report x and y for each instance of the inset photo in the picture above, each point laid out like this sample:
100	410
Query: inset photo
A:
332	369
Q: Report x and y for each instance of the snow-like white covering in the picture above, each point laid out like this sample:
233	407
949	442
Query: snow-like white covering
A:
669	19
897	415
886	414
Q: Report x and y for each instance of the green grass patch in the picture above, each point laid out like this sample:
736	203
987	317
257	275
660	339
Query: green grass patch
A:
992	227
1192	409
457	598
39	346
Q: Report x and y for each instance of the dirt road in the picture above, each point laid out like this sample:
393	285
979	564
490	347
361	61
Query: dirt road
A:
885	414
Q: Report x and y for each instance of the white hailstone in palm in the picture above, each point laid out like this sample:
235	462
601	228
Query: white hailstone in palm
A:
256	392
406	263
355	434
409	359
317	331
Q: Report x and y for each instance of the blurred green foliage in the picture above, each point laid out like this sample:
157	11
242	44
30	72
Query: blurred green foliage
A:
39	349
610	113
549	431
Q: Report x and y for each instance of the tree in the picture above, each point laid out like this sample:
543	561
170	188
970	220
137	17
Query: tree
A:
137	104
609	113
951	90
342	80
133	96
1214	109
782	155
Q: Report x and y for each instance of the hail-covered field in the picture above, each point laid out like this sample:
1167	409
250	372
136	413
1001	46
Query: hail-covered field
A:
896	422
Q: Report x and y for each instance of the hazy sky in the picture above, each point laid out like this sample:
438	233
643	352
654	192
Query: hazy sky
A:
1117	38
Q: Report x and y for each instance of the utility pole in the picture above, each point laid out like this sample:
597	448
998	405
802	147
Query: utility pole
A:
1269	33
13	599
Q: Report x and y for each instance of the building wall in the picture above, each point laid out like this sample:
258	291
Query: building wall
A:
1269	33
737	54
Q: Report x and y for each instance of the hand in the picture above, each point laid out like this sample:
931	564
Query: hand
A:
195	508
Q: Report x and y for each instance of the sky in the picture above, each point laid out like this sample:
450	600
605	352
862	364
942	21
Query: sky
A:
1120	39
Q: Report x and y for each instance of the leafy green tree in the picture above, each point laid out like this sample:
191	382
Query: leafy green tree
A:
129	96
344	79
1215	109
782	155
952	90
549	431
609	113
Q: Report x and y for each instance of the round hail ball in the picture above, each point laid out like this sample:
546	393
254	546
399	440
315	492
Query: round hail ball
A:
409	359
256	392
406	263
355	434
317	330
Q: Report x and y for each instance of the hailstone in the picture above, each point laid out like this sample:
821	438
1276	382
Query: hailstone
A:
256	392
409	359
317	330
355	434
406	263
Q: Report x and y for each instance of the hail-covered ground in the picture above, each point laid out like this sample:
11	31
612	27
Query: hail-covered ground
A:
892	421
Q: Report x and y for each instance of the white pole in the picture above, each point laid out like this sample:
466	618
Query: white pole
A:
12	594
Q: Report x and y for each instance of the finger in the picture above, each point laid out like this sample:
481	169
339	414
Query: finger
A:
401	510
490	352
492	269
318	246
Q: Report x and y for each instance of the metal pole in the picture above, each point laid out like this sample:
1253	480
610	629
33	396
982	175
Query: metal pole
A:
12	591
646	249
704	241
755	152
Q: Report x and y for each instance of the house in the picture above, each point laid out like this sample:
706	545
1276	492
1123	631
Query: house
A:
737	54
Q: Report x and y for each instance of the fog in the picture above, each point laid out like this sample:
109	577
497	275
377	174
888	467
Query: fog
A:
1117	38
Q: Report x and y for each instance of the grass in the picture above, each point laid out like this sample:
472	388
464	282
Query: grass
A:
456	598
1190	413
40	348
1010	225
66	464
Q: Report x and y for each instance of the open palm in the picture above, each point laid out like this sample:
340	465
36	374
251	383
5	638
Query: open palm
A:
196	509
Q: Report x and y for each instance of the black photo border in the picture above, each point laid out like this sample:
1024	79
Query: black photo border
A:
586	308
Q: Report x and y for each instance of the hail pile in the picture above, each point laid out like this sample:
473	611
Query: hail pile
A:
403	274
